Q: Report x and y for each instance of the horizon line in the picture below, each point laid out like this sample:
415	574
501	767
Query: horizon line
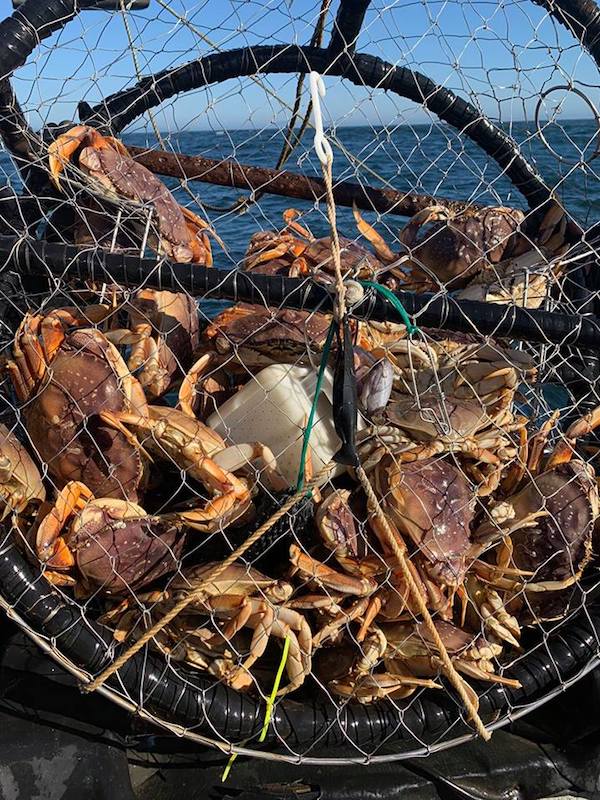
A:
274	127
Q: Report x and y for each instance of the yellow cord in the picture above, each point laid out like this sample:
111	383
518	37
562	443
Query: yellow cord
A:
270	704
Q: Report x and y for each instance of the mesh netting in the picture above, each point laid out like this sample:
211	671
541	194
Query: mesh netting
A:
229	450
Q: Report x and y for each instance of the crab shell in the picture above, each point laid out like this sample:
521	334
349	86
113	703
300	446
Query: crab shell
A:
117	176
412	641
559	545
293	252
61	421
355	258
432	502
453	248
274	332
119	548
20	480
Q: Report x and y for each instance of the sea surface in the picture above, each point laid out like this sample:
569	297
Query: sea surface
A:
422	158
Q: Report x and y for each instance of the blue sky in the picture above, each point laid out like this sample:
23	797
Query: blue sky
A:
500	55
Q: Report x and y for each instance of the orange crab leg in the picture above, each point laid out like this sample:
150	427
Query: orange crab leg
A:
64	148
289	217
489	677
50	545
277	252
374	607
21	380
115	422
144	353
223	509
187	390
316	571
378	242
28	356
198	226
519	465
538	442
565	449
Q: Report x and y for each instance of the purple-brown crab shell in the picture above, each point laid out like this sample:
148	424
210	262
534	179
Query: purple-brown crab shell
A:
432	502
132	180
558	546
62	423
118	555
354	257
271	330
453	249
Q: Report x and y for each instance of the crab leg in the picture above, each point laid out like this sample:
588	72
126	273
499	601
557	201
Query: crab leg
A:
368	231
253	613
231	503
356	610
242	455
115	422
289	623
197	226
21	380
50	545
564	450
187	390
29	364
368	688
144	353
538	442
473	671
517	469
277	252
313	570
289	217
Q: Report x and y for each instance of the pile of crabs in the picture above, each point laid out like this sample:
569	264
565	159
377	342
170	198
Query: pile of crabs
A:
116	486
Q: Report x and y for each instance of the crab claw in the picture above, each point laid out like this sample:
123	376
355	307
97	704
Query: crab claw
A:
421	218
565	449
50	545
61	151
198	228
289	217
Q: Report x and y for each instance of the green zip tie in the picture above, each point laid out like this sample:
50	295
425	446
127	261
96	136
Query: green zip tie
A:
311	416
270	705
391	297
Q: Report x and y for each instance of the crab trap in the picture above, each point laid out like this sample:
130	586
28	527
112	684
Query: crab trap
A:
298	453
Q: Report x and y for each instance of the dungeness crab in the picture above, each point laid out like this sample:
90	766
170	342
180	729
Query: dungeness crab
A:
456	245
112	174
64	377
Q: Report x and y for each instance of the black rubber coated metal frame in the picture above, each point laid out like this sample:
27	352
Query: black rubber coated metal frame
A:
186	698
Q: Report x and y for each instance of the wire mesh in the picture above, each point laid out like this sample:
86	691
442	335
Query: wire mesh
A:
173	373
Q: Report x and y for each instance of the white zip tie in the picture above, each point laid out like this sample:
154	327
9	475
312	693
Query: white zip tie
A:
322	146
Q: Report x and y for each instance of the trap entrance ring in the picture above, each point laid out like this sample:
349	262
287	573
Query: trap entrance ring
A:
298	730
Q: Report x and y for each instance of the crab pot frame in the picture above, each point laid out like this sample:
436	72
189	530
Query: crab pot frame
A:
31	257
181	700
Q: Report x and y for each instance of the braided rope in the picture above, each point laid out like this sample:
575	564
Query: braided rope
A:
455	679
198	593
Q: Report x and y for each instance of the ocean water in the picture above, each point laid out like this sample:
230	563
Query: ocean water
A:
431	159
